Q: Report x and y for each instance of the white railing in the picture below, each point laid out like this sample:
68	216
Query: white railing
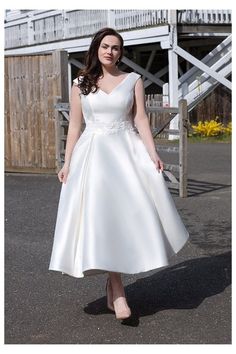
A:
204	17
43	26
128	19
37	27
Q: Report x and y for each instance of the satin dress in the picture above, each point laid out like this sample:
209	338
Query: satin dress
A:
115	211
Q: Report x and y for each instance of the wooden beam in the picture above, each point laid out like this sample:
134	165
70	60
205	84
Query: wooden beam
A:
76	63
183	124
150	59
220	50
142	71
173	70
225	29
198	42
163	110
183	53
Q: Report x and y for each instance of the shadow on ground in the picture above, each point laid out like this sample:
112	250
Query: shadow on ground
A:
196	188
183	286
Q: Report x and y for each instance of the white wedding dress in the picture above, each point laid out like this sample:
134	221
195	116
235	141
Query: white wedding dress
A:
115	211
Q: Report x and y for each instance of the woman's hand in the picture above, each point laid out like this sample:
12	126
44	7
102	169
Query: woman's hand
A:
158	162
63	173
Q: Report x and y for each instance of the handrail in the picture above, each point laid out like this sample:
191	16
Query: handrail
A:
43	26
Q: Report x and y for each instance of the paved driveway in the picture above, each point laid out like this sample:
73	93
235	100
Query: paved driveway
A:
188	302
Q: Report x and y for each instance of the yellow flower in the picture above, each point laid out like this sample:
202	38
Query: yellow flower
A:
228	128
211	128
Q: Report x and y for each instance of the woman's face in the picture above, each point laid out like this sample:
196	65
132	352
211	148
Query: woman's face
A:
109	50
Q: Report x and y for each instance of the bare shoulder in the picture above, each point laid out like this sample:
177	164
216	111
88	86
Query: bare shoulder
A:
139	88
76	90
76	85
138	82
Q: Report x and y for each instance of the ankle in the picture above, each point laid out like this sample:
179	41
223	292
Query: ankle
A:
117	295
117	290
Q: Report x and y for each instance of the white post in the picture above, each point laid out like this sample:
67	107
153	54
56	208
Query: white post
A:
111	18
30	30
165	95
65	24
173	69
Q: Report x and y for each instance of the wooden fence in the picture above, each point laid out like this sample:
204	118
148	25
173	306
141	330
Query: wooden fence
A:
162	130
159	125
31	84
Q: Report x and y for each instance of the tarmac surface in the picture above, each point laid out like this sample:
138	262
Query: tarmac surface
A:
188	302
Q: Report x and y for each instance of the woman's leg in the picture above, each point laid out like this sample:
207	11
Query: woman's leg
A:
117	286
119	300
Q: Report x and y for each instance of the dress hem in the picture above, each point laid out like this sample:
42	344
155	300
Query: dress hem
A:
96	271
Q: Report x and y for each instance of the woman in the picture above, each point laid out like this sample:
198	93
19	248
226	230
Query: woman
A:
115	212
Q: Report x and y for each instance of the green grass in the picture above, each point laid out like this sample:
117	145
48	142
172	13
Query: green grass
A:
224	138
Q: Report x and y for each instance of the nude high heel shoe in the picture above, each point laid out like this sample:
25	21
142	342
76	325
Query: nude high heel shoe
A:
109	295
126	313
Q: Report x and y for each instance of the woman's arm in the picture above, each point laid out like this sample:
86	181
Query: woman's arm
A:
74	131
75	123
142	124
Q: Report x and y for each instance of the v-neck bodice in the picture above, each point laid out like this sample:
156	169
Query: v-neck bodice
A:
114	88
111	112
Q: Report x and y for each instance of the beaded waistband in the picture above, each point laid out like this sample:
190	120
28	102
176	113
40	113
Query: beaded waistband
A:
108	128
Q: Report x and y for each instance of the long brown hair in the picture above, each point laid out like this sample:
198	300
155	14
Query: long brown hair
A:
93	68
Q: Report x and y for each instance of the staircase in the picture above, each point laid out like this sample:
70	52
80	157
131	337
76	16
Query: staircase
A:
195	85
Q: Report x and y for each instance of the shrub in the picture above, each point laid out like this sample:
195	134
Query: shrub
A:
211	128
228	128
